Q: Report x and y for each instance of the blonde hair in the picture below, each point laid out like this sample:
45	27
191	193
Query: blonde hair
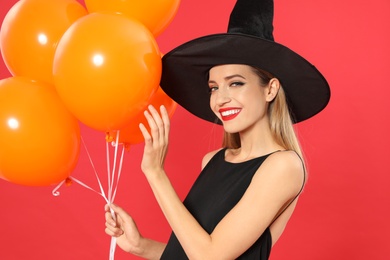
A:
281	124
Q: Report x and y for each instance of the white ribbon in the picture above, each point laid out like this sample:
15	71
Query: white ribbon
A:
112	182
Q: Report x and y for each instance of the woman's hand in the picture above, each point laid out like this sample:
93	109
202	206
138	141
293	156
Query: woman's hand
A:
124	229
156	142
128	237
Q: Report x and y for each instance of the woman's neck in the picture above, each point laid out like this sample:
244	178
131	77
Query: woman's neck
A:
256	142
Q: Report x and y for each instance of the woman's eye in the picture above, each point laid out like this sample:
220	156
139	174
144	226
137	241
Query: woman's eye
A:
212	89
236	84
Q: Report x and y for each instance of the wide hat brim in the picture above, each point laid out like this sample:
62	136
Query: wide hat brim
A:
186	68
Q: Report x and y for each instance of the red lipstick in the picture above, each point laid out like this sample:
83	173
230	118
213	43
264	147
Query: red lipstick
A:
229	113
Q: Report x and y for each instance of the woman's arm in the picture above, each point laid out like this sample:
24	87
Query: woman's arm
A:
276	183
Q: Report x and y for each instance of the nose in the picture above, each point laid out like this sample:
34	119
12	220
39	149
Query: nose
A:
222	96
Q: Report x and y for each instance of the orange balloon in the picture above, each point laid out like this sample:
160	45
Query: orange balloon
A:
30	33
106	68
39	138
131	134
154	14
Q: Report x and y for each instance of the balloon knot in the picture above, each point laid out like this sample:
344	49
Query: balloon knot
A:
68	182
127	147
109	137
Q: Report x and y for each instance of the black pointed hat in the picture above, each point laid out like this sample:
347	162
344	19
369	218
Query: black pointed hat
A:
249	41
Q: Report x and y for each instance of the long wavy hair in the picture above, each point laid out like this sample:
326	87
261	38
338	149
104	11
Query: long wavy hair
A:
280	120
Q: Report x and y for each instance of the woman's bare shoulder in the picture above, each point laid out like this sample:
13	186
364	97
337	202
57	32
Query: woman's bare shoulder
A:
283	168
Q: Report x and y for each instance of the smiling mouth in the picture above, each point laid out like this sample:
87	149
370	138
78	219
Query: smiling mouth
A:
229	114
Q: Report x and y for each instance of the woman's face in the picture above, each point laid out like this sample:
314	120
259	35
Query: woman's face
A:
237	97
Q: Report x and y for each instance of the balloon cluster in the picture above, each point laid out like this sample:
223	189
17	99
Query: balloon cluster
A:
99	65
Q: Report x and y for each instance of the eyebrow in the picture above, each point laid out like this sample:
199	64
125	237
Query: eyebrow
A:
228	77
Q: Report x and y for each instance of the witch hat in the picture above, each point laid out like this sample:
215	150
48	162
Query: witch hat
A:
249	40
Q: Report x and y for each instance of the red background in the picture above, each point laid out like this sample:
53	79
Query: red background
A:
343	212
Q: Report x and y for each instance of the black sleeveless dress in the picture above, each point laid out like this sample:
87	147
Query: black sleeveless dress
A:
216	191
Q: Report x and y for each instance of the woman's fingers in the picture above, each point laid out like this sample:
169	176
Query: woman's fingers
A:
155	124
145	133
108	216
158	122
156	140
122	215
117	232
166	122
159	125
113	228
152	125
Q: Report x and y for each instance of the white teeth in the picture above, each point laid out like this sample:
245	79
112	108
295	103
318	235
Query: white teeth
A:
230	112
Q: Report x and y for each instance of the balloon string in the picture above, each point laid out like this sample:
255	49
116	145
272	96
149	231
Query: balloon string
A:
110	180
113	239
94	170
113	167
112	248
119	172
108	167
112	189
55	191
108	199
86	186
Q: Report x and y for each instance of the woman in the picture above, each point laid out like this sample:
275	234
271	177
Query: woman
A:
247	191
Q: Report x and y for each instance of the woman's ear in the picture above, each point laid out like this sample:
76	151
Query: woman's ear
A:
272	89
